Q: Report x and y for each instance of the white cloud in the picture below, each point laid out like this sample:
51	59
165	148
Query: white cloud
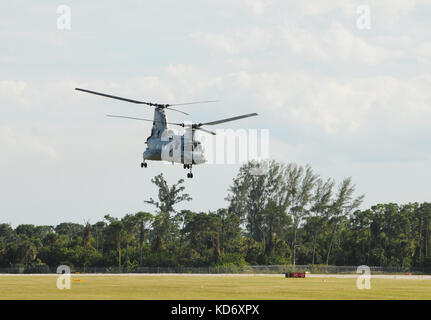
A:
236	42
258	6
19	143
10	86
389	12
335	44
342	105
334	105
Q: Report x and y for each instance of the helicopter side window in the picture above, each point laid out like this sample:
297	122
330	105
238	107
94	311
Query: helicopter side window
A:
196	145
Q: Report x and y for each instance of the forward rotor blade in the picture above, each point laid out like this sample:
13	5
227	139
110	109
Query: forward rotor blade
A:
115	97
228	119
157	105
207	131
196	102
133	118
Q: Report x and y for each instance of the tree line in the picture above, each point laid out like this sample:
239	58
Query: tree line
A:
278	214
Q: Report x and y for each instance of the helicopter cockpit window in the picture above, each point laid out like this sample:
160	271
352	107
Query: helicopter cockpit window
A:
197	145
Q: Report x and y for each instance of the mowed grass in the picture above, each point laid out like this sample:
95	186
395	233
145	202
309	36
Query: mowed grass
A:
208	287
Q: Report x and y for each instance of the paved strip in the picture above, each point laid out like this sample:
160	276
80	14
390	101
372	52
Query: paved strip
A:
339	276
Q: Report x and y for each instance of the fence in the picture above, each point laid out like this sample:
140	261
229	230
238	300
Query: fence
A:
263	269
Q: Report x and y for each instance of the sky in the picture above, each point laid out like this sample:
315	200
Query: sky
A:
342	88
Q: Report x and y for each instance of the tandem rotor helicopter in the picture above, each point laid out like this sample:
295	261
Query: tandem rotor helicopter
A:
165	144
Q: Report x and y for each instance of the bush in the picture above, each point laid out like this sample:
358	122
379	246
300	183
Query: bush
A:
236	259
37	267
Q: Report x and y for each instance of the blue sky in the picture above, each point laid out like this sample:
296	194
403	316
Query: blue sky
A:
349	102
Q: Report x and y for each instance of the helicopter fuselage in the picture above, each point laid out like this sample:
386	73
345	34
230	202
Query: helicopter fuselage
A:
167	144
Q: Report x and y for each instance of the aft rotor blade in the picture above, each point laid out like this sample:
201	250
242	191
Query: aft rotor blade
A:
228	119
207	131
177	111
115	97
133	118
196	102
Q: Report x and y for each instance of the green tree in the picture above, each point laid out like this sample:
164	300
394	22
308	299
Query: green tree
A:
255	185
73	230
203	235
165	228
168	196
300	182
144	220
116	230
342	206
87	236
130	224
319	211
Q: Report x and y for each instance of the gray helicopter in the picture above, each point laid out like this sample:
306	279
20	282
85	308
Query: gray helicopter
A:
165	144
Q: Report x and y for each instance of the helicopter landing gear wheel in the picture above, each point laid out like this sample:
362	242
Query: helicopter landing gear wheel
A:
143	164
190	174
186	166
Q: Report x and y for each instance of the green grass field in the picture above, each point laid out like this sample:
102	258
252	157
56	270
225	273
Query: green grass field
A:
209	287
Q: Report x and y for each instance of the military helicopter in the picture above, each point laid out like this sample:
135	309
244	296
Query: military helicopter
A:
165	144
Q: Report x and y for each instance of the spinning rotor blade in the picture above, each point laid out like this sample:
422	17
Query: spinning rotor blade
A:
168	106
207	131
228	119
177	111
157	105
115	97
133	118
196	102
